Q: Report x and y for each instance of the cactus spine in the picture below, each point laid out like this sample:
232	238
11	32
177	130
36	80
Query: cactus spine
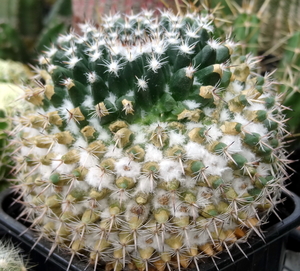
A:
11	258
148	147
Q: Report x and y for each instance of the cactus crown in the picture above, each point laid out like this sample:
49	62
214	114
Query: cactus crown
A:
147	146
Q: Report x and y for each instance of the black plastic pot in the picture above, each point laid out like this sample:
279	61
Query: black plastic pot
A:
261	255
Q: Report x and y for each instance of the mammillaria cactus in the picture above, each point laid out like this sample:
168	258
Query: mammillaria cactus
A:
10	258
147	146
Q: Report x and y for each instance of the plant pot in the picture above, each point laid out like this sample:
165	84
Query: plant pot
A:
262	255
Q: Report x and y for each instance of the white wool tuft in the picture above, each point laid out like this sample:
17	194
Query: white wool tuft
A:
264	169
99	179
134	206
241	185
153	154
237	87
103	134
40	151
145	186
112	98
216	164
88	160
176	138
80	142
62	168
191	104
189	182
154	125
228	96
234	143
127	168
88	102
195	151
170	170
214	132
256	106
240	118
208	111
24	151
140	137
31	132
72	127
224	115
191	125
45	171
227	175
55	130
256	128
80	207
94	122
249	155
60	149
158	196
81	186
113	152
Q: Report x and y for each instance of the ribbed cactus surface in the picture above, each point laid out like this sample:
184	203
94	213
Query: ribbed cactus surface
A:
148	147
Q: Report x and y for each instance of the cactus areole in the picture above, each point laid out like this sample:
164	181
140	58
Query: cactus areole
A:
149	147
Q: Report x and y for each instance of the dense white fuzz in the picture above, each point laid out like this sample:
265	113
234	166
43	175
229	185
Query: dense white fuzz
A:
170	170
249	155
155	63
113	66
88	102
142	83
140	136
195	151
72	61
241	186
191	104
225	115
176	138
45	171
146	185
98	178
125	167
113	152
186	48
88	159
80	143
59	166
59	149
112	98
153	153
213	132
103	134
233	142
94	122
216	165
92	77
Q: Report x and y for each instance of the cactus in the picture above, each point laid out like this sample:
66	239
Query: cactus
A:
11	258
11	74
150	144
268	28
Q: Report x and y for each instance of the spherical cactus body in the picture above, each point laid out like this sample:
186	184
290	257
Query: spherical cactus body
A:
148	147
